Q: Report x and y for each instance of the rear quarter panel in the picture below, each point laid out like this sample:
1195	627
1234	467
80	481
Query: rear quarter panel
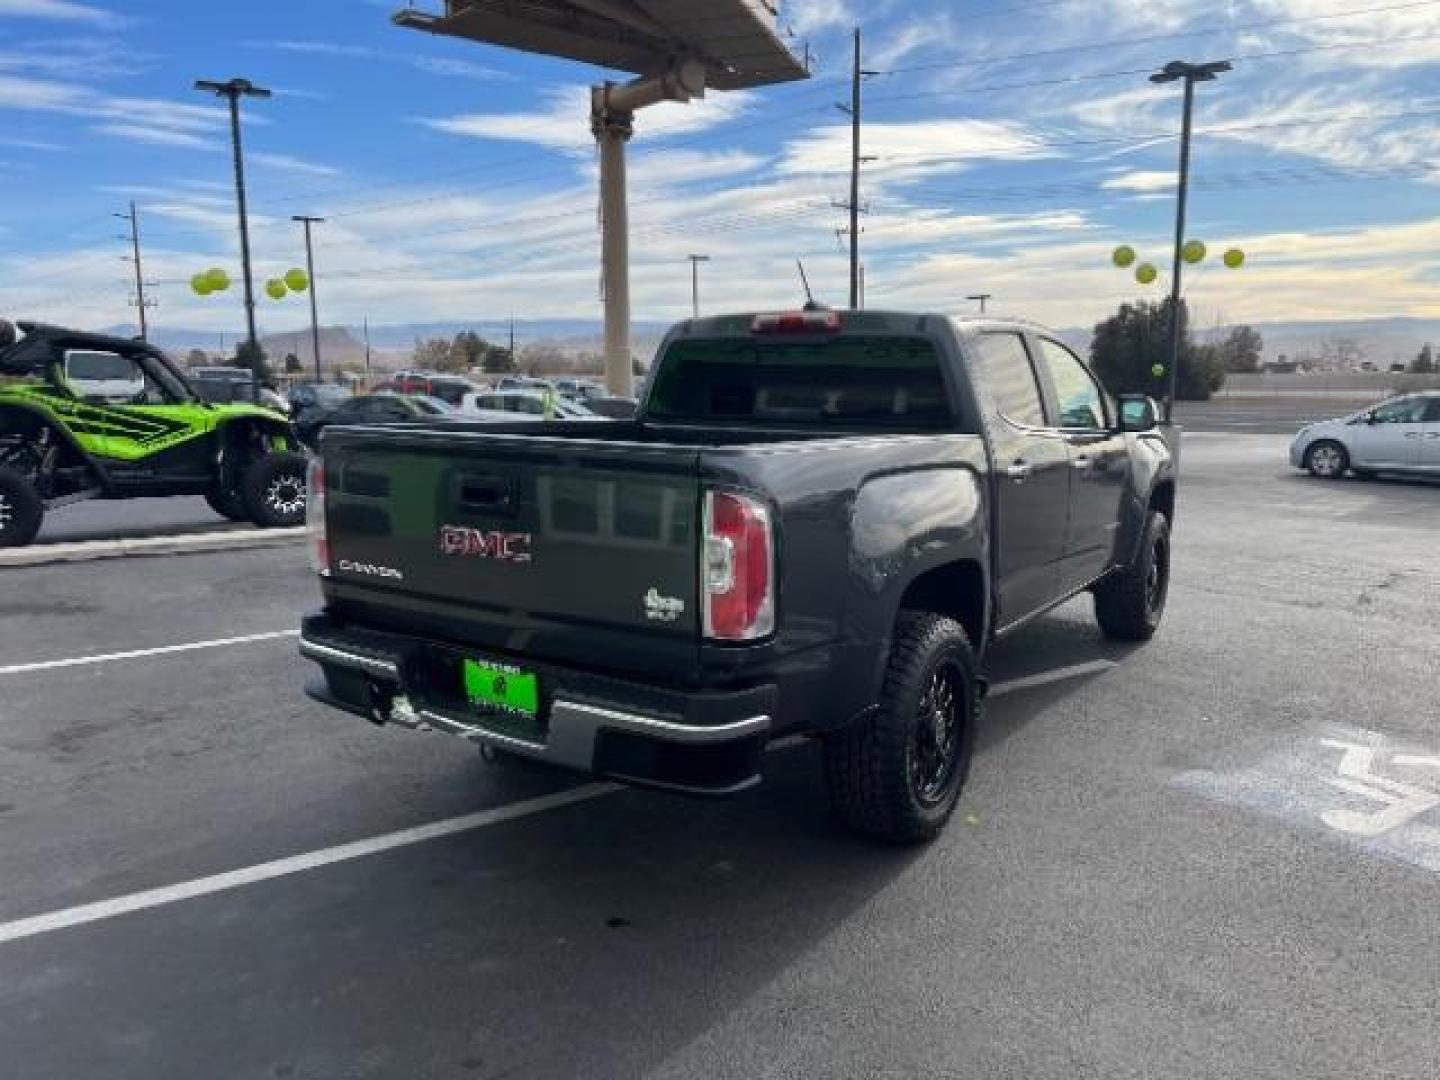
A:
858	521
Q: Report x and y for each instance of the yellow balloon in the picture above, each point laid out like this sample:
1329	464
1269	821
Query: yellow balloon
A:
1193	252
218	279
275	289
296	281
201	284
1234	258
1145	274
1124	256
1157	370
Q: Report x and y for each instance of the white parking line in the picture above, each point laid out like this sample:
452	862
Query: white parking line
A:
1045	678
295	864
163	650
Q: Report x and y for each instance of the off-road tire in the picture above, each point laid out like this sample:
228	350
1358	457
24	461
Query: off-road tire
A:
273	490
228	504
21	509
869	764
1130	603
1326	459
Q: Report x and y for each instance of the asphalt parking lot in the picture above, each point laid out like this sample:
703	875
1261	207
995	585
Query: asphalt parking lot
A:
1215	855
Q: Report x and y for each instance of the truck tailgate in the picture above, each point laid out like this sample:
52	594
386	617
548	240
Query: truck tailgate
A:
520	538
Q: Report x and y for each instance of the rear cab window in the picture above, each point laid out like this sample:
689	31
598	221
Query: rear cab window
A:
853	383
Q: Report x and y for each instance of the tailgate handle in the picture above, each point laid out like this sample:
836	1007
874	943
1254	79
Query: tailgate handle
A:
487	493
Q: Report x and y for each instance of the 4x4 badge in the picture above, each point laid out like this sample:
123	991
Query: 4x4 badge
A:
662	608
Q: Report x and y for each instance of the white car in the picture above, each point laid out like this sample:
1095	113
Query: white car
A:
103	377
520	404
1400	435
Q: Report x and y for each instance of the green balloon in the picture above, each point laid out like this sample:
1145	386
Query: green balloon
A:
1158	370
275	289
1123	256
1146	273
218	279
201	284
1193	252
1234	258
296	281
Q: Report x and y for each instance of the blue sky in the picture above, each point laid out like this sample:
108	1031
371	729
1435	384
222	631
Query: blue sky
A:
1016	143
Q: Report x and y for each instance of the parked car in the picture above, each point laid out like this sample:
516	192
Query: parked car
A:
370	410
58	447
613	408
817	524
581	390
450	389
1401	435
531	403
523	382
103	378
233	385
304	396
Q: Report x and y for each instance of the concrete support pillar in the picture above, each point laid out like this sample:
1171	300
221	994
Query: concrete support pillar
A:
613	129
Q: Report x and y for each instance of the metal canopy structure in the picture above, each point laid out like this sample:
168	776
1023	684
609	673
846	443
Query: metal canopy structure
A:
736	40
676	49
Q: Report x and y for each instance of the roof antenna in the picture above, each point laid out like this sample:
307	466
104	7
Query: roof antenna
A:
810	302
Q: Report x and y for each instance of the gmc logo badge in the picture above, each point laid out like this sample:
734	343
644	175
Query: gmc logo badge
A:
501	546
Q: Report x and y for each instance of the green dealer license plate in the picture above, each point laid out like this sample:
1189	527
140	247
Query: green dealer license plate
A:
501	688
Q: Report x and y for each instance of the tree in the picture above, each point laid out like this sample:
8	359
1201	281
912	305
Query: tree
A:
197	358
498	361
1240	351
292	364
253	356
1131	343
540	359
431	354
1424	363
468	351
1342	353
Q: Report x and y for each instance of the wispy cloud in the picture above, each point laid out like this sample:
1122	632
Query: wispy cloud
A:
319	48
159	136
42	145
1143	181
460	69
288	163
64	10
565	123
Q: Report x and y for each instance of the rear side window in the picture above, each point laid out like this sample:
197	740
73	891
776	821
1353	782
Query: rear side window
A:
100	366
1004	366
846	383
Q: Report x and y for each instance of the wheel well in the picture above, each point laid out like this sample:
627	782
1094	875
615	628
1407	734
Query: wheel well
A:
1163	499
957	590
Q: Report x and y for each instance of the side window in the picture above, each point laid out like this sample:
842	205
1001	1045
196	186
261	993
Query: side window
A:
1004	365
1405	411
1082	402
1433	415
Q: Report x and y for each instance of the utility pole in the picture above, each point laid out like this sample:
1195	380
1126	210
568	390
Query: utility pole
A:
233	91
695	261
984	299
367	351
512	339
1175	71
855	178
310	269
140	302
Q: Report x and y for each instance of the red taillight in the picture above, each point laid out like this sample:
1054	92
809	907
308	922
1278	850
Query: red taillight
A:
797	322
737	568
315	517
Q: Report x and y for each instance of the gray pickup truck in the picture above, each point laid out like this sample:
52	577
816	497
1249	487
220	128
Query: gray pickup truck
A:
816	525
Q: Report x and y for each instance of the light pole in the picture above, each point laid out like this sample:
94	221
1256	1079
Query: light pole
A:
695	261
984	299
310	269
1176	71
233	91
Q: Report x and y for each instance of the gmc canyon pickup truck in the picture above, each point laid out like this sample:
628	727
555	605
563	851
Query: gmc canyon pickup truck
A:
816	524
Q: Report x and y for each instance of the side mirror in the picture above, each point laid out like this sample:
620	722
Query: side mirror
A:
1138	413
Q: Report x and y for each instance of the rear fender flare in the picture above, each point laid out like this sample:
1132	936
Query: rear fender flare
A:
15	414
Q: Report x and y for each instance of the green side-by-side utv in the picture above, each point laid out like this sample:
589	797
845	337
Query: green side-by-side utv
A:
62	442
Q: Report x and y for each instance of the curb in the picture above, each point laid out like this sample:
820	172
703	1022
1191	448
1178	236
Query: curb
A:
191	544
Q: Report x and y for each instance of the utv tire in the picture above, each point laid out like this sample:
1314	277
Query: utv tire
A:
228	504
273	490
21	509
1131	602
896	774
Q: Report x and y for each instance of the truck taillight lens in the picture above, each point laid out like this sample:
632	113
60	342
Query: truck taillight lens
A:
315	517
737	570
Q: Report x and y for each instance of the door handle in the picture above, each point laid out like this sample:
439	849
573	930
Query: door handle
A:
1082	462
1020	471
